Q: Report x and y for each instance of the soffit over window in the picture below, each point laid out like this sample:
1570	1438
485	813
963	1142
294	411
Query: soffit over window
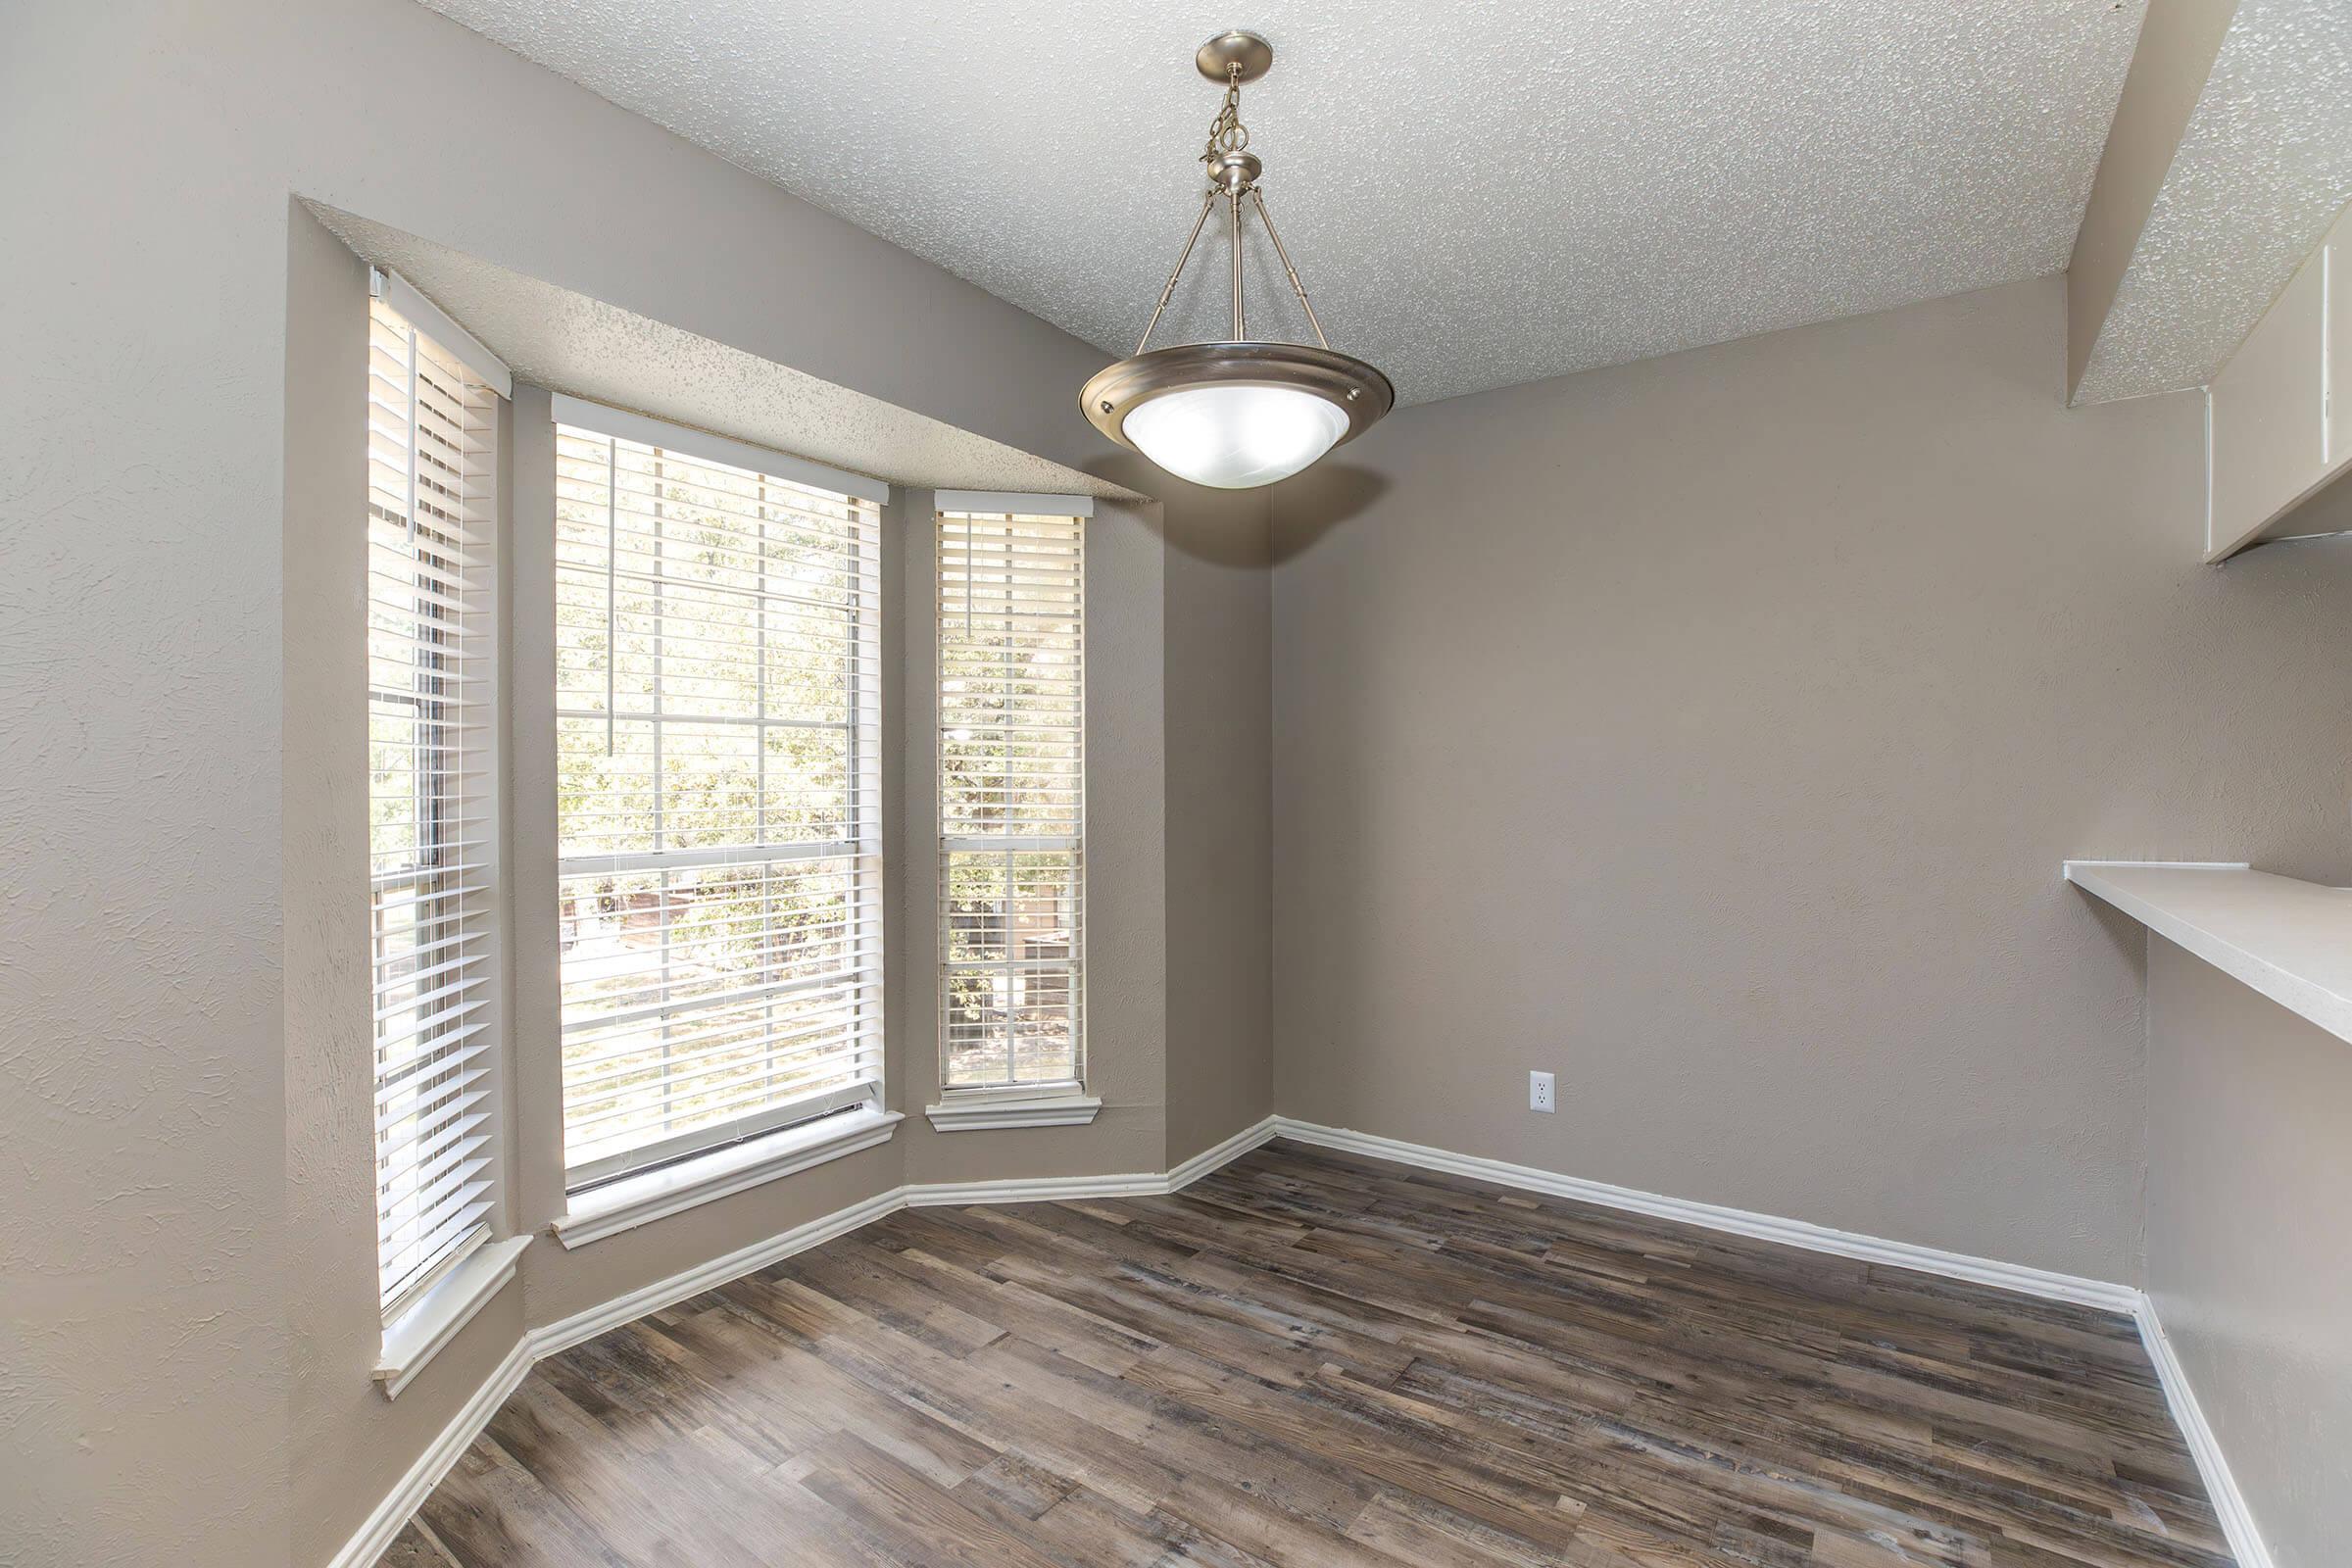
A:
718	693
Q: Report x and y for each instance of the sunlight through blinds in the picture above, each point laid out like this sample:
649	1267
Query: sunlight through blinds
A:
431	630
718	698
1012	798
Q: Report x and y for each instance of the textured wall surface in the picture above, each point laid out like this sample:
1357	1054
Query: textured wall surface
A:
1709	731
342	1435
142	1211
1219	657
1565	185
145	1235
2249	1261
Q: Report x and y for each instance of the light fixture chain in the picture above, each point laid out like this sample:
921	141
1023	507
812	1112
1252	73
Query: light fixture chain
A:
1226	132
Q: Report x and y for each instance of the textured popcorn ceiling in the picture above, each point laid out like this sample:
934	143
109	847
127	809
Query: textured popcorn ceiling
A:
1539	189
556	338
2263	169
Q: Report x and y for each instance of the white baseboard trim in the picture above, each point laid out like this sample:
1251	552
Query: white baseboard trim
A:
565	1332
374	1538
2044	1283
1218	1155
1064	1189
1033	1189
2221	1487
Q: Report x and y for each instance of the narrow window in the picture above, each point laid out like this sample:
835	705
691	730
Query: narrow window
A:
431	831
1011	799
718	779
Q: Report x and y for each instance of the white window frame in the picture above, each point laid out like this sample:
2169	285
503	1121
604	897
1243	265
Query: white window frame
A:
649	1180
967	1107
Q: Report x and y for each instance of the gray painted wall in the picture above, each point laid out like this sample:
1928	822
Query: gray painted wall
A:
1710	730
173	1388
2249	1259
1218	655
344	1440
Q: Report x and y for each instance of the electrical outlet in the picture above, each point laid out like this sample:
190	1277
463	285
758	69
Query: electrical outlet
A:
1539	1093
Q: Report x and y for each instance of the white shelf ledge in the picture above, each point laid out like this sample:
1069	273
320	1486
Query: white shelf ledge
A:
2289	940
982	1110
636	1200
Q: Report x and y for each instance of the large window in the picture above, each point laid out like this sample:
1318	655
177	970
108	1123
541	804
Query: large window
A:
718	776
1011	799
431	831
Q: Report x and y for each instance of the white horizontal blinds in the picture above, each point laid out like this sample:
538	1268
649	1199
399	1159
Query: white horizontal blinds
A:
431	513
1012	798
718	694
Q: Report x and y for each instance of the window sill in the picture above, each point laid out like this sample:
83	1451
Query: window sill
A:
638	1200
987	1111
433	1319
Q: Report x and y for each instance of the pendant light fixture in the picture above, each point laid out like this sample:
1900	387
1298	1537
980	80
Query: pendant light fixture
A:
1242	411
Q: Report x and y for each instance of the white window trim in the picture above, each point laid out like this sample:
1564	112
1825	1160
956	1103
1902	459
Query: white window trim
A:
992	1109
433	1319
640	1200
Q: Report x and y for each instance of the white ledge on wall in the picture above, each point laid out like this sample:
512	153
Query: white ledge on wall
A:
635	1201
433	1319
984	1111
2289	940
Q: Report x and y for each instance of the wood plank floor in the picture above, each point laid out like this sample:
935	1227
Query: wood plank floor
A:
1313	1360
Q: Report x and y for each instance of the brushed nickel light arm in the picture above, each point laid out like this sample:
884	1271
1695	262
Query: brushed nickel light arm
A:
1182	257
1296	287
1241	322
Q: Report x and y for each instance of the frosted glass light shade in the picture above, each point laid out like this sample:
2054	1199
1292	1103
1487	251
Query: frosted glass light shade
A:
1234	436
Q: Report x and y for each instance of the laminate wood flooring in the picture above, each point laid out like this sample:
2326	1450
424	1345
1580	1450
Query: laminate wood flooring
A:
1313	1360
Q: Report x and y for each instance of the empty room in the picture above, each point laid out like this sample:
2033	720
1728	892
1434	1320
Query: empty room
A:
1098	784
